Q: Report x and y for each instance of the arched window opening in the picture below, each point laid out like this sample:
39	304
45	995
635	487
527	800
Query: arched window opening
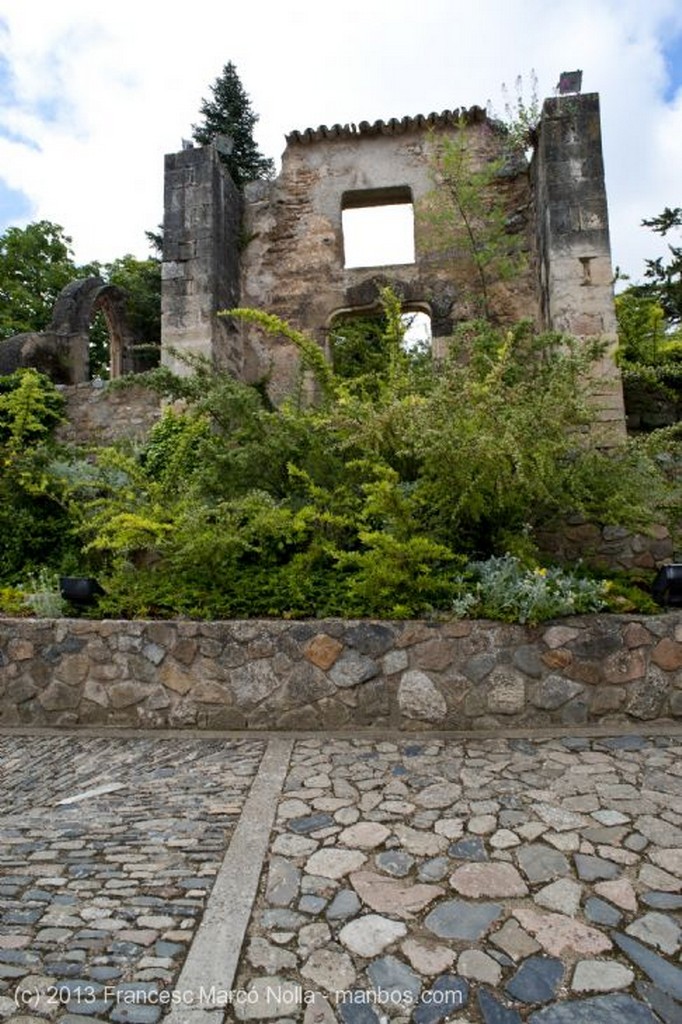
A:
418	333
358	344
112	352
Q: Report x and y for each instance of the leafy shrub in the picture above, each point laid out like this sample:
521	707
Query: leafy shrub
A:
366	502
629	592
35	525
13	603
503	588
43	596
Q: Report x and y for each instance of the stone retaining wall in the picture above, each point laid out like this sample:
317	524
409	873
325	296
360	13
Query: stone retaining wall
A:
339	674
608	547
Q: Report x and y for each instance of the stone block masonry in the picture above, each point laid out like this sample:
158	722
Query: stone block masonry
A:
334	674
100	414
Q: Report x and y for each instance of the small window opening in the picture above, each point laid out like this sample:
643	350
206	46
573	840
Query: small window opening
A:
417	330
378	227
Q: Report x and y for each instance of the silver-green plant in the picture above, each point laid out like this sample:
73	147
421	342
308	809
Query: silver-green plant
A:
503	588
43	595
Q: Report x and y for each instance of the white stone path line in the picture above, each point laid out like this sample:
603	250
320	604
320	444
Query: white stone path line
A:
212	959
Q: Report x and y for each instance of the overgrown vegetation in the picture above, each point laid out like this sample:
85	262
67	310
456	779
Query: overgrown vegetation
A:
464	218
650	329
369	501
35	524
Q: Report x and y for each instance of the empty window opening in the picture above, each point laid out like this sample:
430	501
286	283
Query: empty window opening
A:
359	344
417	330
378	227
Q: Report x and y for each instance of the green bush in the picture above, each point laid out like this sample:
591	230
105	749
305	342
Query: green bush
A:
35	525
366	502
13	603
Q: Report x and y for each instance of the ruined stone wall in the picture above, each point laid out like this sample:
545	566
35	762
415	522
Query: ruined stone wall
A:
576	275
293	264
283	252
201	248
335	674
99	414
607	547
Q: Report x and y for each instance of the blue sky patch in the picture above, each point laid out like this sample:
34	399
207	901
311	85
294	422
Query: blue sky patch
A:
23	140
672	52
15	206
6	83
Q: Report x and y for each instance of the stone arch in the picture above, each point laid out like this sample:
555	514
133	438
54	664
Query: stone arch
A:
72	316
364	299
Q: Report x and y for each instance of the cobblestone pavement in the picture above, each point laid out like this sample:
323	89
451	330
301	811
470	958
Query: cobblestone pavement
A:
495	881
108	850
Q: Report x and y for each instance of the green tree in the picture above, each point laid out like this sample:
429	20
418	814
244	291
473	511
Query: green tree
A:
664	279
464	218
229	113
641	327
36	262
649	317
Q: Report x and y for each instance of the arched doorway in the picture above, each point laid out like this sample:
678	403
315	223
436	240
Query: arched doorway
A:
75	310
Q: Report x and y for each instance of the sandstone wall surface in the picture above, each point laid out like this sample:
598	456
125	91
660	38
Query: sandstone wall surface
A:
102	414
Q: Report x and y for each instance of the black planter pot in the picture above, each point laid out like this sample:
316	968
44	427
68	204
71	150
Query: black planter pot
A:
667	587
79	590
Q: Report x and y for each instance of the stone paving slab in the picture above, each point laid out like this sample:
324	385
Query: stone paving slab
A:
495	881
425	879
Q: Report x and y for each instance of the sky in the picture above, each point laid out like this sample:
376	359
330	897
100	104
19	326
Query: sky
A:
93	95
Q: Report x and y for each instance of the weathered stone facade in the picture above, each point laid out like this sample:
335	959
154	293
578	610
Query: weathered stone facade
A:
99	414
335	674
280	247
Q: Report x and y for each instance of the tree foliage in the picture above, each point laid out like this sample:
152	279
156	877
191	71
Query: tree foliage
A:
229	112
664	279
464	218
36	262
649	317
36	528
641	328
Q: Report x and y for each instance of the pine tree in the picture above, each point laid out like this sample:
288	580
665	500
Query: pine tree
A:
229	113
664	280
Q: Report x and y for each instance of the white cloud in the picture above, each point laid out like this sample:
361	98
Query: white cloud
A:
101	92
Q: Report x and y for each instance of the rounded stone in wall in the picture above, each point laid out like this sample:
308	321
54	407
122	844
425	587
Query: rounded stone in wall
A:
419	697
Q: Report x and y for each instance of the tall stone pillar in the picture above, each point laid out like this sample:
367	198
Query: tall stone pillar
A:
200	273
573	239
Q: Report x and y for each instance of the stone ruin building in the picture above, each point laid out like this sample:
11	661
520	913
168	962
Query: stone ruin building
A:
61	350
280	246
